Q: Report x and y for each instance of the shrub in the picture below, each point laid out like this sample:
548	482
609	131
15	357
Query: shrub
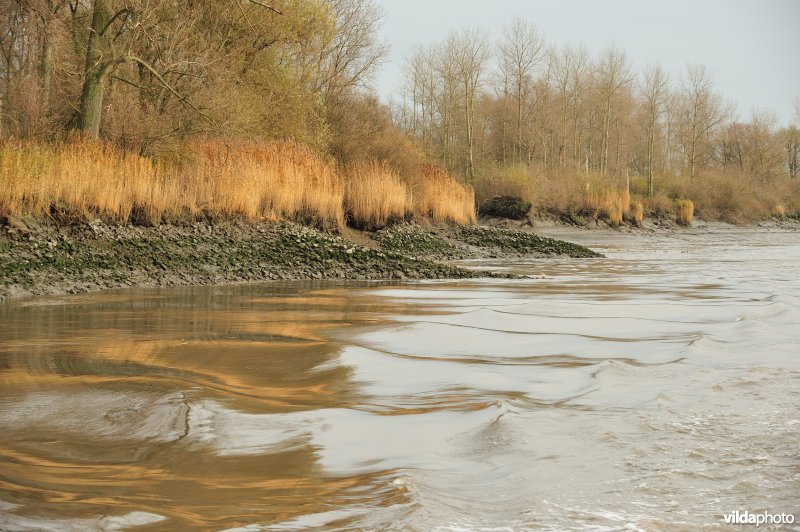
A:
511	207
515	181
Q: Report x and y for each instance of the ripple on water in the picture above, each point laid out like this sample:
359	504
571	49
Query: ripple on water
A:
655	389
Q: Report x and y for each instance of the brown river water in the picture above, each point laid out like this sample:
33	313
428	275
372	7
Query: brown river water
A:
655	389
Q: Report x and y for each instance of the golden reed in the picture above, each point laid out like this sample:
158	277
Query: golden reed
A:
254	180
684	212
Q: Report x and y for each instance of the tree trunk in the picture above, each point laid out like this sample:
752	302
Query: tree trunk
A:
470	147
92	91
650	140
606	133
469	94
46	66
91	104
519	115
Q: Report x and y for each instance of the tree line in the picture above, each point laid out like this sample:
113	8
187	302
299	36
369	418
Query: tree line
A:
141	73
144	73
475	104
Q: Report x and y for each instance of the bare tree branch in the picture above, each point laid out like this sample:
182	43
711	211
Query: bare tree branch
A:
267	6
157	75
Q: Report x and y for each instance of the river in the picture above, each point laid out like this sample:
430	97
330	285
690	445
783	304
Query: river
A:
655	389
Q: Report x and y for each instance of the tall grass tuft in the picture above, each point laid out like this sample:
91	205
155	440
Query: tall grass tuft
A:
684	212
436	195
637	213
613	204
374	195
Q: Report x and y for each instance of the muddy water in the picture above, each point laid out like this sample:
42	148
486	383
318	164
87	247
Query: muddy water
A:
655	389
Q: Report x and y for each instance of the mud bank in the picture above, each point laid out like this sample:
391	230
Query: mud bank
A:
39	259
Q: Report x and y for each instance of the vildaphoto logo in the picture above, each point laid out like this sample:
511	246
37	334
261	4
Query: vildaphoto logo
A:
764	518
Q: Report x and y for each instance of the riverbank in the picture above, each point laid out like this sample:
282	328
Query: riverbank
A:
659	224
47	259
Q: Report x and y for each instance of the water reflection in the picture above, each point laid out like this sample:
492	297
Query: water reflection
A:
656	388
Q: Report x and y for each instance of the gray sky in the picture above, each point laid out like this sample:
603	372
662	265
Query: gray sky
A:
752	47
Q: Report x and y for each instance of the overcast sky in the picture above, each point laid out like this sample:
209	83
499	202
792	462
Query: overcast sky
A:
752	47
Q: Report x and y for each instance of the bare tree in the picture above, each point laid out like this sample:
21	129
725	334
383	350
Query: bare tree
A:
704	111
544	107
763	148
469	51
420	72
655	85
579	89
521	53
353	53
15	52
561	71
791	143
614	74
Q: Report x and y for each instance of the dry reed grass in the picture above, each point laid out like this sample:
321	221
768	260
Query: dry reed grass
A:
259	180
254	180
516	181
684	212
637	213
659	205
613	204
85	176
731	197
248	179
374	195
436	195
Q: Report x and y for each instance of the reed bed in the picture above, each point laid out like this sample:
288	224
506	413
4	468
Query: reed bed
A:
260	180
86	176
436	195
247	179
374	195
254	180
